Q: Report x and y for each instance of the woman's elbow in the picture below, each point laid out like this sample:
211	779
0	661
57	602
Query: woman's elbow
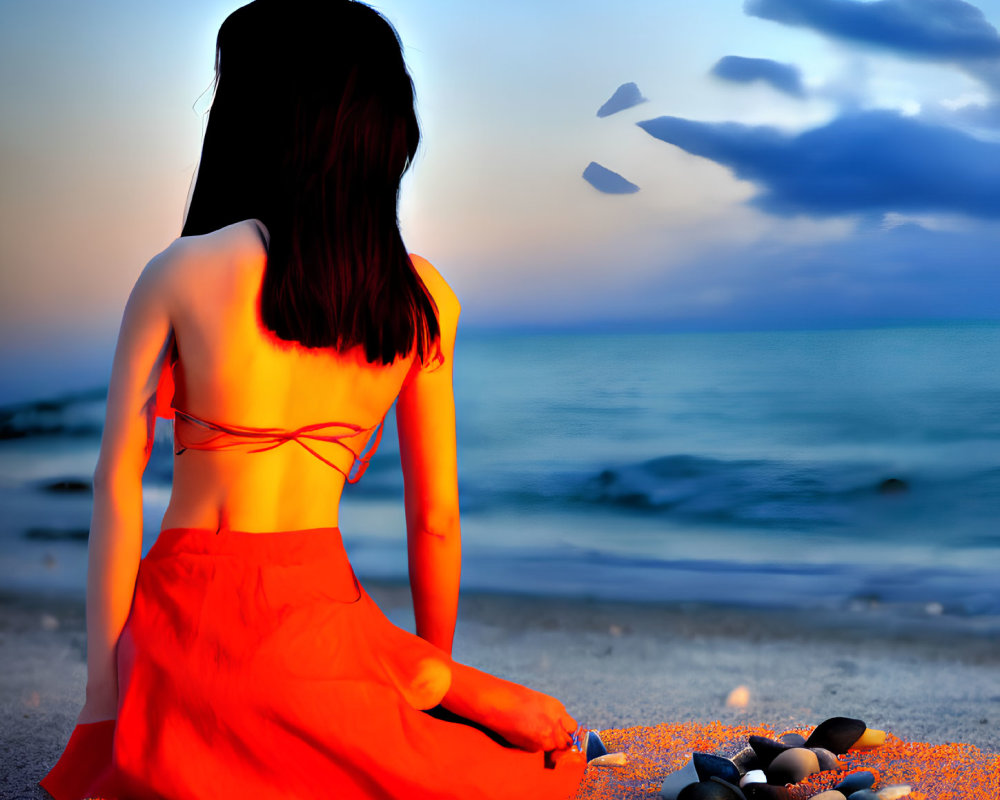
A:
441	524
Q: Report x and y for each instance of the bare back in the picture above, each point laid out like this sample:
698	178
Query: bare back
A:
232	369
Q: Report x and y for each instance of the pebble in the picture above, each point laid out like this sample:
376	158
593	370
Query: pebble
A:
837	734
609	760
678	780
710	790
827	760
767	749
862	794
792	739
856	781
829	794
893	792
753	776
595	746
709	766
764	791
746	760
792	766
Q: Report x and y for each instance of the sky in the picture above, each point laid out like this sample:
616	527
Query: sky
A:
790	164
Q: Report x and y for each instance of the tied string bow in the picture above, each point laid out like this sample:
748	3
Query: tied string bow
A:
270	438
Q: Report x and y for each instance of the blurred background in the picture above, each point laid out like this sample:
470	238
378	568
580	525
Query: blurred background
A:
731	310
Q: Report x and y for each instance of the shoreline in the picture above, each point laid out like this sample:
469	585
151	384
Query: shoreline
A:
613	664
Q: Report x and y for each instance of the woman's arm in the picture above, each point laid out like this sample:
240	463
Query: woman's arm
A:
425	419
115	545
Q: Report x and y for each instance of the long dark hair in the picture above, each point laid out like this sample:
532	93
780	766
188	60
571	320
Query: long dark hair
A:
311	128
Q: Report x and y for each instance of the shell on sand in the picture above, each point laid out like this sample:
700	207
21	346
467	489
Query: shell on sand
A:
894	792
738	697
609	760
869	740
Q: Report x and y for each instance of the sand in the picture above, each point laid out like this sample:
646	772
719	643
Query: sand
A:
613	665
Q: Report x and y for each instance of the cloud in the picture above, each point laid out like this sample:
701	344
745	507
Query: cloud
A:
783	77
949	30
625	96
862	162
604	180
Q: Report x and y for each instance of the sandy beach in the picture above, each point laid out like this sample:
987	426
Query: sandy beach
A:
613	665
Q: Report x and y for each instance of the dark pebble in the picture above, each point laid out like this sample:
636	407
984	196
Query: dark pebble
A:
676	781
837	734
792	766
733	787
709	790
827	760
709	766
595	746
792	739
764	791
767	749
863	794
856	781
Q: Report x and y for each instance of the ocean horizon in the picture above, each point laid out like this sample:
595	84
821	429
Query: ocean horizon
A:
838	469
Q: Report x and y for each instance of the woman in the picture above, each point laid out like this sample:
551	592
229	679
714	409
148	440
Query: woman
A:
240	657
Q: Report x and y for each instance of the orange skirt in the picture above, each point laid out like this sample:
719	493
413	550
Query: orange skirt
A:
254	665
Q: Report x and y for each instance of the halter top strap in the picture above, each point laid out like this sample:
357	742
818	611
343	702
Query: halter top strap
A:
224	436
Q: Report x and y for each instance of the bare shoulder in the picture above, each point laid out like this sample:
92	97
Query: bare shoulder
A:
444	296
200	257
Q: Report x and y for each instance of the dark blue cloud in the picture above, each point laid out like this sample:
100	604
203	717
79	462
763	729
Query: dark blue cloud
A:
625	96
950	30
873	161
604	180
783	77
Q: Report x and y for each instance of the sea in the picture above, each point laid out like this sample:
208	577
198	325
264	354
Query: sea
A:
851	471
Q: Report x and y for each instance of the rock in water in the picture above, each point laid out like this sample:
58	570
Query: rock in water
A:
827	760
893	486
709	766
792	766
837	734
676	781
856	781
767	749
625	96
